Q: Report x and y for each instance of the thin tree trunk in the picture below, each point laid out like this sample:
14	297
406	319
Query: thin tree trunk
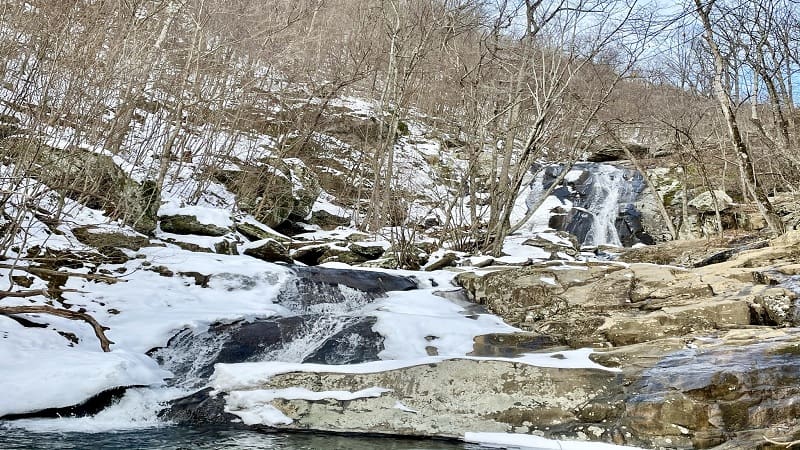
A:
743	154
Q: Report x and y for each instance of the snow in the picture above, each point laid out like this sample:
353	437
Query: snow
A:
45	373
399	405
153	307
410	321
205	215
527	441
244	376
254	408
135	410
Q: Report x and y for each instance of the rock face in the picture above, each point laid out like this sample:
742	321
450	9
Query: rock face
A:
273	191
110	189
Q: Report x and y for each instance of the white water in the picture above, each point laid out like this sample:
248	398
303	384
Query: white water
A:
603	205
608	187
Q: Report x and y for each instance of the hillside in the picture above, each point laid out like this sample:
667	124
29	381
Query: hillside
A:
355	217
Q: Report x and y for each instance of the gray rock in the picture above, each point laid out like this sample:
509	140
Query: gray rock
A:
268	250
187	224
704	202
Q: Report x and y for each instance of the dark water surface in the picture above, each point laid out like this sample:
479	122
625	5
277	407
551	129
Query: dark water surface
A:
179	438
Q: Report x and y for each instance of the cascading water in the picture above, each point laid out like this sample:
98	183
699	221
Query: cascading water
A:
322	321
596	203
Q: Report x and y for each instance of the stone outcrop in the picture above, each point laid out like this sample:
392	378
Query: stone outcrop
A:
188	224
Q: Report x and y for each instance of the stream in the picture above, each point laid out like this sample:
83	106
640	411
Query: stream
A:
174	438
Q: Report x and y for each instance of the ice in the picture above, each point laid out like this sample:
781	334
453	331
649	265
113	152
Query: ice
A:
527	441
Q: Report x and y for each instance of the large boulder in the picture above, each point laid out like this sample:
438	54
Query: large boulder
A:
704	202
273	190
189	224
93	179
268	250
441	399
608	303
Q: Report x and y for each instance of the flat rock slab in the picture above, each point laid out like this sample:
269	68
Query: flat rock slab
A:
447	399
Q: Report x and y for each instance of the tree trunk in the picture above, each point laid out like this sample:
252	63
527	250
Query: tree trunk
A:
742	152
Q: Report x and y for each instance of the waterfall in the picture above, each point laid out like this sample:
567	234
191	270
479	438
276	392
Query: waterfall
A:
603	205
596	203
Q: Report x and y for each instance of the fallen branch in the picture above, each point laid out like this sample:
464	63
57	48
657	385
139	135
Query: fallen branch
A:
99	330
784	444
23	294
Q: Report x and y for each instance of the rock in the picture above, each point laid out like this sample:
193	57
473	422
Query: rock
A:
254	232
561	242
367	250
273	191
328	221
362	280
513	345
310	255
356	343
103	237
200	408
447	260
598	303
268	250
226	247
698	397
451	398
305	188
608	154
111	189
704	202
188	224
90	407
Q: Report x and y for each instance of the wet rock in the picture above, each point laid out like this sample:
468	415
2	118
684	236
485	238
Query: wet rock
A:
90	407
362	280
589	189
200	408
696	398
356	343
188	224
